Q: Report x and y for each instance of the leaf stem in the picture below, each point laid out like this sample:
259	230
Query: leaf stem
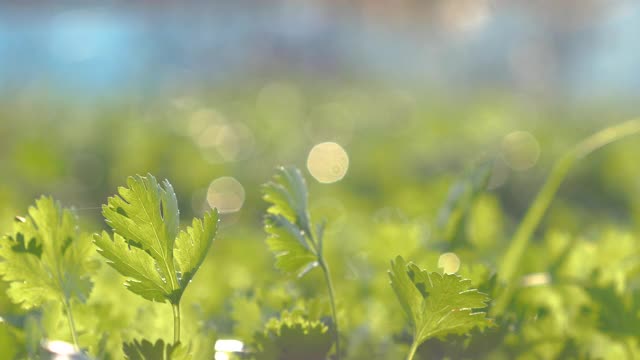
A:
176	323
327	278
72	327
412	351
509	270
170	272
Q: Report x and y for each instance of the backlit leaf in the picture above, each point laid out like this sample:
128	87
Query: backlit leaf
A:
293	337
146	350
436	304
45	258
147	246
193	244
288	223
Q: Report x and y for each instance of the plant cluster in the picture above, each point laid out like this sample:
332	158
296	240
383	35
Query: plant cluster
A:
581	306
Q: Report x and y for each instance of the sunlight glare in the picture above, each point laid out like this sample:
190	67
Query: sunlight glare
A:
221	356
328	162
520	150
225	346
226	194
449	262
536	279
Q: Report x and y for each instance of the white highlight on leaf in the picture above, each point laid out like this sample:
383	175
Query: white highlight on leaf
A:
60	348
221	356
229	345
536	279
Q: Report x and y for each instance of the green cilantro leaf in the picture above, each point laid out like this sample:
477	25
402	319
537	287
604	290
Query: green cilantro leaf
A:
146	214
145	350
44	258
140	269
288	195
293	337
147	246
291	238
193	244
287	242
288	223
462	194
436	304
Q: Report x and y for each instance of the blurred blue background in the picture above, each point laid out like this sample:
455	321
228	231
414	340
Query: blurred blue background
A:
385	106
578	50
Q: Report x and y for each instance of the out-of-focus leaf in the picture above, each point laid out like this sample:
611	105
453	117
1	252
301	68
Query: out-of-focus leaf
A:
436	304
247	317
45	259
289	246
10	341
288	223
293	337
146	350
461	196
619	314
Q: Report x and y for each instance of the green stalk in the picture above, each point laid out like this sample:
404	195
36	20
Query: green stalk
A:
509	270
412	351
72	327
327	278
170	271
176	322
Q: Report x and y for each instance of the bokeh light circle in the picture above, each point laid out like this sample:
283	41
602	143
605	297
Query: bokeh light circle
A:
226	194
520	150
328	162
449	262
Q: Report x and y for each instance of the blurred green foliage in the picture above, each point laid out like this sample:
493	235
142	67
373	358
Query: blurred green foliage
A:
406	154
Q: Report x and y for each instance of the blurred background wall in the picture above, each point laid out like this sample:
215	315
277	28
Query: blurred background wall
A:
574	49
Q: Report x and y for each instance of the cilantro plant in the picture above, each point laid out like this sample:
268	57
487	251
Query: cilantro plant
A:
436	304
462	194
291	337
145	350
147	245
553	290
296	244
509	271
45	259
